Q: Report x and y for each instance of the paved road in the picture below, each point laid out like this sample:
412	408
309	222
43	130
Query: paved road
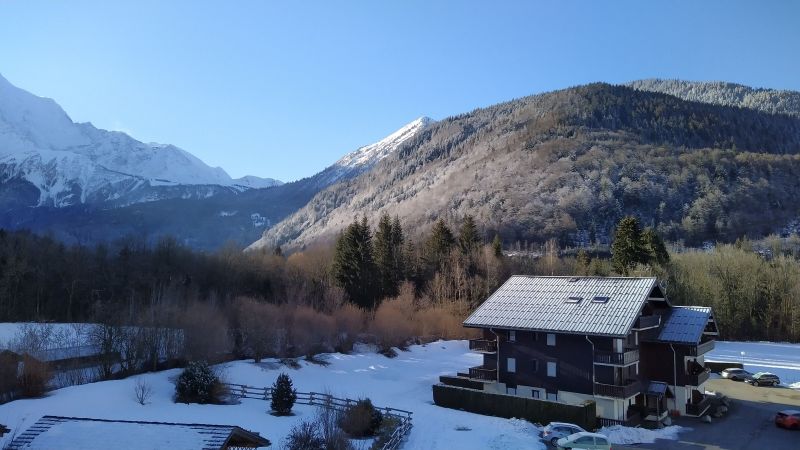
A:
747	426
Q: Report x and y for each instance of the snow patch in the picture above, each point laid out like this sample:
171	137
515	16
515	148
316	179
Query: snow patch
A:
619	434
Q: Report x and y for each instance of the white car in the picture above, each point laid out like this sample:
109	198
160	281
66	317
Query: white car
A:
557	430
584	441
735	374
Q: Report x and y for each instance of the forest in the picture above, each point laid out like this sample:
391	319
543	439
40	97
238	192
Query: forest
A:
372	285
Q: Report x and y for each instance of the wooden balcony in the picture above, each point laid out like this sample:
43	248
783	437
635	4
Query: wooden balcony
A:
698	408
645	322
628	389
483	346
629	356
698	379
483	373
702	348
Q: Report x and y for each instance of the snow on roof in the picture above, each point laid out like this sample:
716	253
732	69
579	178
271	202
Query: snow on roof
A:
607	306
685	324
99	434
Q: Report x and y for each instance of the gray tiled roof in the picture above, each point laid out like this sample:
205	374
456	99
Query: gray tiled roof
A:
540	303
685	324
95	434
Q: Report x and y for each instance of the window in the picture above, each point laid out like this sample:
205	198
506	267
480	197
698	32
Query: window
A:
511	365
552	396
535	364
551	368
584	440
535	393
551	339
601	299
511	391
600	441
512	336
573	299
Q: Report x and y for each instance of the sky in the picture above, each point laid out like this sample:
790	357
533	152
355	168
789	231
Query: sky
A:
283	89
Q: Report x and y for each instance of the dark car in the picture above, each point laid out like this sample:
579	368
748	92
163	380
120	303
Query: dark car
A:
735	374
788	418
764	379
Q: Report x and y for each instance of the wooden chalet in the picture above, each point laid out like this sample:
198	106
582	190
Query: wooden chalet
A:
617	341
51	432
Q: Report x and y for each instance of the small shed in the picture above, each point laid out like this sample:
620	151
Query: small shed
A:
95	434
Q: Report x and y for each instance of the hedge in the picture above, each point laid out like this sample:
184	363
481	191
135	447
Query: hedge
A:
508	406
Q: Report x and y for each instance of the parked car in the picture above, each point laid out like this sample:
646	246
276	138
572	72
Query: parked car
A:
584	441
735	374
764	379
788	418
557	430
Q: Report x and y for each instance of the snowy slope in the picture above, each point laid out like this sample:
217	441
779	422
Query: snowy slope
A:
72	163
363	159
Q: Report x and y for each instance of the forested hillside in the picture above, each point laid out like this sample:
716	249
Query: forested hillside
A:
569	164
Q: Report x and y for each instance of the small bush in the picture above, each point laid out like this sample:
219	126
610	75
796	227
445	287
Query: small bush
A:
305	436
142	390
198	384
283	395
32	382
361	419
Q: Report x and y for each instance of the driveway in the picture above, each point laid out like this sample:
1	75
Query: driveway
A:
747	426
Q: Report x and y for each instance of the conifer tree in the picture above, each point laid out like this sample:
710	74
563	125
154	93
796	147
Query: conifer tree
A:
353	266
468	236
384	256
283	395
438	246
497	246
654	246
627	250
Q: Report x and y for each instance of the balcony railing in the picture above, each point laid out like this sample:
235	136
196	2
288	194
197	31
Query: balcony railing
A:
629	356
629	389
483	345
702	348
698	379
644	322
483	373
698	408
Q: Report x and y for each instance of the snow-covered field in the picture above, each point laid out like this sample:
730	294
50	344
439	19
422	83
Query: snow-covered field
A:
782	359
403	382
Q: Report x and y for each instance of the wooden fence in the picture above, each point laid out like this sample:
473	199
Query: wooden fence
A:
328	401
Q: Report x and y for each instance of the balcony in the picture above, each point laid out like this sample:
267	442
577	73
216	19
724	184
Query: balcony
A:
628	389
629	356
698	379
483	346
698	408
483	373
702	348
645	322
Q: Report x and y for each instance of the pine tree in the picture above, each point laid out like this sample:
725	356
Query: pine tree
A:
283	395
384	256
627	250
353	266
438	246
468	236
399	266
654	245
497	246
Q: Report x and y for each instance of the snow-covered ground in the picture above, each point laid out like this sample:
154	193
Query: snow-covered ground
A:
58	334
782	359
403	382
627	435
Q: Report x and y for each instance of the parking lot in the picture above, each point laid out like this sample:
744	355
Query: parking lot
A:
747	426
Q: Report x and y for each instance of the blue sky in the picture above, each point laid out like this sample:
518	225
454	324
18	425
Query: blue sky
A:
282	89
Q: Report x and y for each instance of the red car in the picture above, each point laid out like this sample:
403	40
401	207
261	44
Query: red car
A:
789	419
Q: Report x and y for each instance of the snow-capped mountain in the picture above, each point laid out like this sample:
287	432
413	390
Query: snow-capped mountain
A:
363	159
70	163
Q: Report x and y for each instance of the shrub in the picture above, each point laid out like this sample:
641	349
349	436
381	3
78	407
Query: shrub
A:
305	436
283	395
361	419
33	380
198	384
142	390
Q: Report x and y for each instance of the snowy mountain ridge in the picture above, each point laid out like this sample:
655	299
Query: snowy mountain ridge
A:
70	163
